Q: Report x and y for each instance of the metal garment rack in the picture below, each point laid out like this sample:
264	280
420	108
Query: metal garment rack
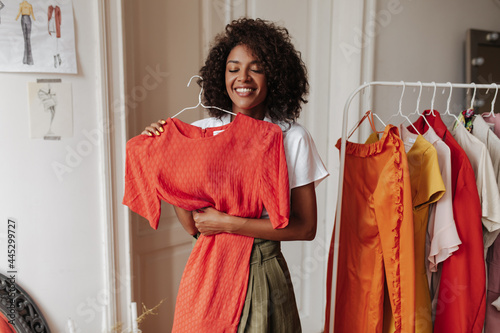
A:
337	221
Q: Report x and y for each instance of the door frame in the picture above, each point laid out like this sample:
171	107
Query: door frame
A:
113	126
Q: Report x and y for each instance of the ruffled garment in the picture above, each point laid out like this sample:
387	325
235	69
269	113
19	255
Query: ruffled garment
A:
376	238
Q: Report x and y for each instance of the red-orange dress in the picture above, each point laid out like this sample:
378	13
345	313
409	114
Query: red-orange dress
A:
237	171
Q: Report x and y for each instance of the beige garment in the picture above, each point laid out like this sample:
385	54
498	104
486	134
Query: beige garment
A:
485	134
442	233
442	236
487	188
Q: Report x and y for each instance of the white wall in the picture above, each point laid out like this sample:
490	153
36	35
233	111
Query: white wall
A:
425	41
61	226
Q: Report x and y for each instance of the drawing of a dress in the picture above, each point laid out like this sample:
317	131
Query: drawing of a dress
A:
49	102
26	10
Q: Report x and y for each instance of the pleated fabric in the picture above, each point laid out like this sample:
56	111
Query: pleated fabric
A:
270	305
427	187
376	239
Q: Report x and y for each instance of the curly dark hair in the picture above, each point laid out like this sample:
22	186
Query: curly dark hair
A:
285	71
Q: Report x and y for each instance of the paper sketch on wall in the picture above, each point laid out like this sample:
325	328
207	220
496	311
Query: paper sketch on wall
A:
51	110
1	6
37	36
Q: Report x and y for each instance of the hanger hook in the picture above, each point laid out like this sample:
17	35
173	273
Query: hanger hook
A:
401	98
192	77
494	100
201	90
418	99
473	97
368	92
449	98
199	101
433	97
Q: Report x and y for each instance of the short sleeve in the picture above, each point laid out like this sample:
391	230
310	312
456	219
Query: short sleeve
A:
140	191
274	189
431	187
304	163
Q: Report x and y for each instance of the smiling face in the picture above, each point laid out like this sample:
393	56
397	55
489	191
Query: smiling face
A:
246	82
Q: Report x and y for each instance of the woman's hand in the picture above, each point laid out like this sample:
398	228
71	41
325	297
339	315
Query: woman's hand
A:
209	221
154	128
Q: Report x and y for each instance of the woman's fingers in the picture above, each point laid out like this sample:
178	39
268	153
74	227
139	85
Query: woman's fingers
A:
154	128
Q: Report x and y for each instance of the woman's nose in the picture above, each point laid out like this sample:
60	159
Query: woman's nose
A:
243	76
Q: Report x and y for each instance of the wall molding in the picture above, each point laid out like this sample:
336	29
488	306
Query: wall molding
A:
115	217
352	62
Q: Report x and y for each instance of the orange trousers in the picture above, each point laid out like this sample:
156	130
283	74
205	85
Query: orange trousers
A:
376	239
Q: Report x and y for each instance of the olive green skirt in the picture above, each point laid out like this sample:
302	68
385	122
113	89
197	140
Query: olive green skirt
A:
270	305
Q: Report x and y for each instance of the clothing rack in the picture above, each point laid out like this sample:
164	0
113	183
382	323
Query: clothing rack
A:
337	221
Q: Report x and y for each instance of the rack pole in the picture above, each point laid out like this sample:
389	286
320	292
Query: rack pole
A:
337	222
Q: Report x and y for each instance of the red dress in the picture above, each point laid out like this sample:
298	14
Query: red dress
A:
237	171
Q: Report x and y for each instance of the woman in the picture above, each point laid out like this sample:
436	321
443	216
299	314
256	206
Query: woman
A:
254	69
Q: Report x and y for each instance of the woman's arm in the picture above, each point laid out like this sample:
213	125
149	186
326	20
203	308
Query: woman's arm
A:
186	219
301	226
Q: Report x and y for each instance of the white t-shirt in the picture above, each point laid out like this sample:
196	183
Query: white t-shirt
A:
303	161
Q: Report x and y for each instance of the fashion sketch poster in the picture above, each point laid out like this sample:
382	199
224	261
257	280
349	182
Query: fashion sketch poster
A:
37	36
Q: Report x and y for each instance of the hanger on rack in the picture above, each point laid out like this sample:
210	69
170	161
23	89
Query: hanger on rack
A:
199	101
366	94
373	113
418	106
400	112
368	115
466	117
492	112
418	101
447	112
473	97
432	100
